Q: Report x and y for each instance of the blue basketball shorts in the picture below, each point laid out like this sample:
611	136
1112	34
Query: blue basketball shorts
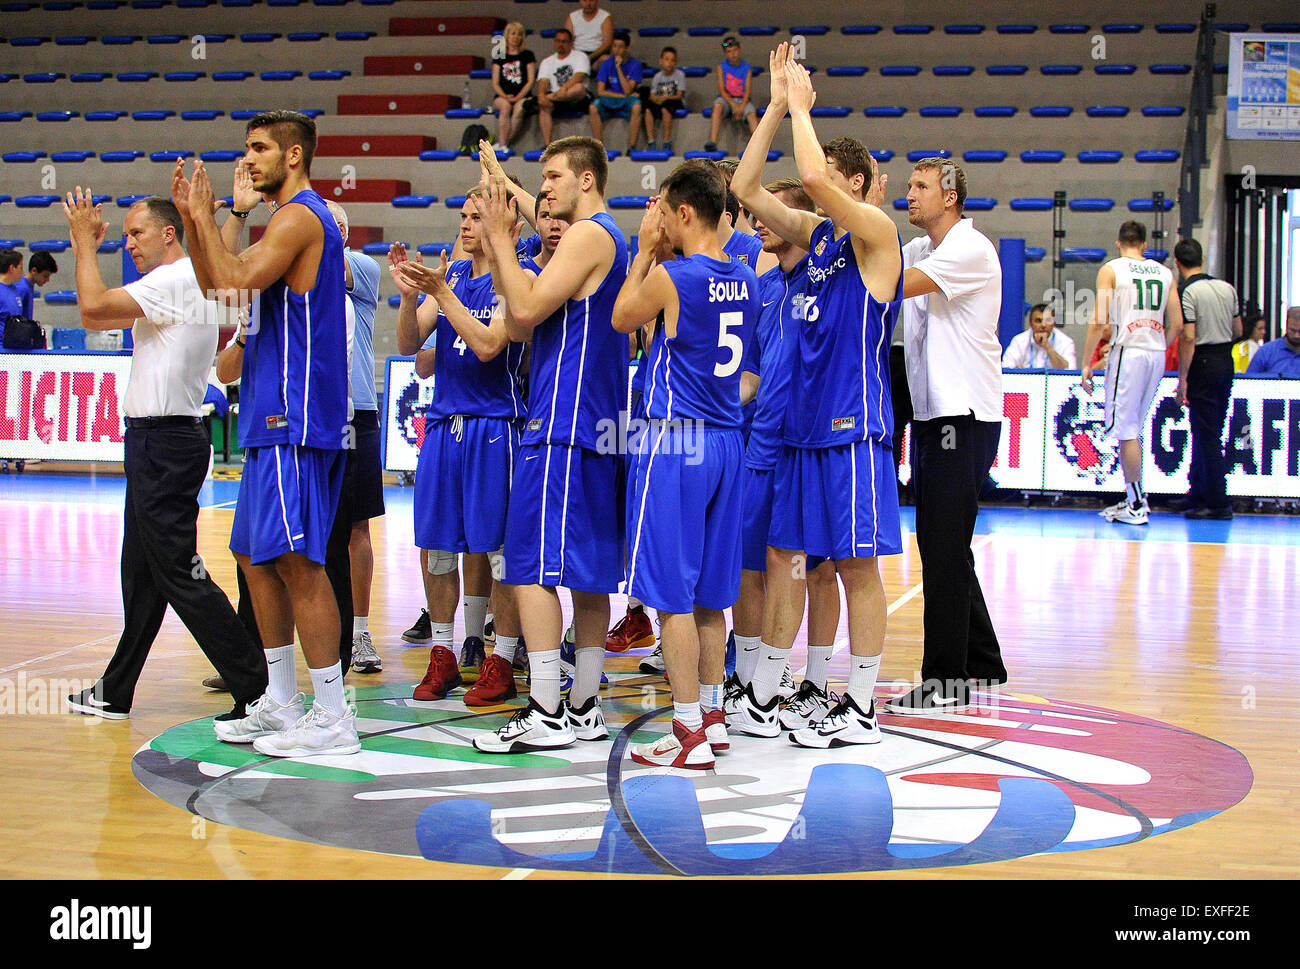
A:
565	523
462	484
684	519
288	497
836	502
756	517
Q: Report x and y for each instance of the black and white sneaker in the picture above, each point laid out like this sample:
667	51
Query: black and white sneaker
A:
421	631
809	705
532	728
654	663
86	702
587	721
930	698
746	714
846	724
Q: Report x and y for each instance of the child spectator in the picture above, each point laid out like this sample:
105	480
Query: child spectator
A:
667	93
733	98
513	75
616	90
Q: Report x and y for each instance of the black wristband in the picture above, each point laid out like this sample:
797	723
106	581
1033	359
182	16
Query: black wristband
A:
240	215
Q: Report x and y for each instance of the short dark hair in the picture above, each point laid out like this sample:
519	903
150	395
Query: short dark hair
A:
666	50
799	197
1188	253
851	157
583	155
1133	233
288	128
164	212
949	171
42	262
10	258
1038	308
563	30
699	184
624	36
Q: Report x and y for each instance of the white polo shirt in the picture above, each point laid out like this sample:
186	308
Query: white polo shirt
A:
954	359
1024	354
175	343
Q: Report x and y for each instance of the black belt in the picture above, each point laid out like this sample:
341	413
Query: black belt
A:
141	422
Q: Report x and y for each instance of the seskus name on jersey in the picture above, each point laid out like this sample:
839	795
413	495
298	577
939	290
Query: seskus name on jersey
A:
728	291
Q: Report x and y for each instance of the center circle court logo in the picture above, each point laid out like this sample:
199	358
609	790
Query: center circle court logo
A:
1079	430
1017	776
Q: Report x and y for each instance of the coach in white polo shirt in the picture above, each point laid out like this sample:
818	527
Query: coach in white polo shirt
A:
954	372
167	451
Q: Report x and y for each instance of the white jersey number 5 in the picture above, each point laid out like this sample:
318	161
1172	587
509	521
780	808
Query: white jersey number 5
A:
729	341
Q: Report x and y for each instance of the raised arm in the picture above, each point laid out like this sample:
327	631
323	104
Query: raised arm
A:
490	165
648	289
482	340
793	225
101	308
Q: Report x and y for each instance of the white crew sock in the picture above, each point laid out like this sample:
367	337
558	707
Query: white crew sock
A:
747	650
505	648
688	715
589	663
443	632
772	664
819	664
328	687
360	624
544	668
476	608
281	673
862	680
710	696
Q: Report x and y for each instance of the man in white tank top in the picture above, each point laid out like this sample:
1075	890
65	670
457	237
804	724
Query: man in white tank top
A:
1133	304
593	31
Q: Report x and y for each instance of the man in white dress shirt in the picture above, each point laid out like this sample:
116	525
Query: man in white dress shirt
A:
166	452
1041	346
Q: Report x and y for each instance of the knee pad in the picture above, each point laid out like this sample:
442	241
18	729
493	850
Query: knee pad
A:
497	562
440	563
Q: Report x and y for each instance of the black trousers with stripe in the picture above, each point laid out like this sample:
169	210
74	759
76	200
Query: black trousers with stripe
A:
952	457
1209	388
165	467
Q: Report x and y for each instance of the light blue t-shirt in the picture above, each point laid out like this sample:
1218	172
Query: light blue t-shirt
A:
365	298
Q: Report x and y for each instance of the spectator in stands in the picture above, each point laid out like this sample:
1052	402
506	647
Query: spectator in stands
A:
592	30
666	94
1280	357
1211	324
514	74
39	270
11	270
616	90
733	100
1041	346
1254	329
562	82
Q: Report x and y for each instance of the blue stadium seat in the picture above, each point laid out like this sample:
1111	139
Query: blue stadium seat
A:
436	248
57	115
953	70
1157	155
481	74
995	111
1108	111
35	201
1006	70
900	205
964	29
1176	28
49	245
506	153
1091	205
1017	28
1068	28
979	203
1290	27
1035	253
175	77
110	246
11	243
536	155
1060	70
657	32
1163	111
714	155
465	113
757	31
1041	156
152	115
629	201
28	41
819	30
221	155
900	70
170	155
68	338
440	154
1232	27
696	71
89	77
48	78
913	29
1051	111
1083	254
203	114
940	111
104	115
126	201
14	115
258	38
860	30
413	201
354	35
1170	69
1031	205
327	75
454	201
137	77
885	111
120	40
281	75
706	31
231	75
1121	28
23	157
1159	255
882	155
120	156
916	156
829	111
1146	205
1105	156
978	156
306	37
164	39
1115	69
61	297
846	70
658	155
377	249
72	41
73	157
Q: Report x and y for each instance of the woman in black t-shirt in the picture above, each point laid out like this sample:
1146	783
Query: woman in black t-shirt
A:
513	76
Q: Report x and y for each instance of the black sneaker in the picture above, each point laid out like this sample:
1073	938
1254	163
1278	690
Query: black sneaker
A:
86	702
931	697
422	631
238	712
710	146
472	655
1211	514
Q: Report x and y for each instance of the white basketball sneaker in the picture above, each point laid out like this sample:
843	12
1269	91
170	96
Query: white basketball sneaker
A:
846	724
746	714
715	729
1128	515
261	717
532	728
787	690
1110	511
679	748
587	721
317	734
809	705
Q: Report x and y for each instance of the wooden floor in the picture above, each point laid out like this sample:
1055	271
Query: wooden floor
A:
1202	636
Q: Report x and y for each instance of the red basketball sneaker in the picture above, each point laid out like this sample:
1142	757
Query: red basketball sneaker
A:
633	631
496	684
442	676
715	728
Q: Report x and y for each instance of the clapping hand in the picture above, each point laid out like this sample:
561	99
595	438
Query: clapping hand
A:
425	278
85	220
799	89
397	261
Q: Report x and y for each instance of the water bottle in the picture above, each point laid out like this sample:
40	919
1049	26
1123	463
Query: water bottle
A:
464	98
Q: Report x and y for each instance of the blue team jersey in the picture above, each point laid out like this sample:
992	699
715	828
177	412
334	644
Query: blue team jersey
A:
26	294
744	249
295	379
465	384
840	390
695	375
365	299
770	357
578	374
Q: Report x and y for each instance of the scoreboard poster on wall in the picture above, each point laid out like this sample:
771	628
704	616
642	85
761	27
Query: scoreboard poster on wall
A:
406	400
1264	86
1053	440
62	406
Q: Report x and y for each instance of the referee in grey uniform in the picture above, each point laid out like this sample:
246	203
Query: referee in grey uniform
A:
167	452
1211	324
